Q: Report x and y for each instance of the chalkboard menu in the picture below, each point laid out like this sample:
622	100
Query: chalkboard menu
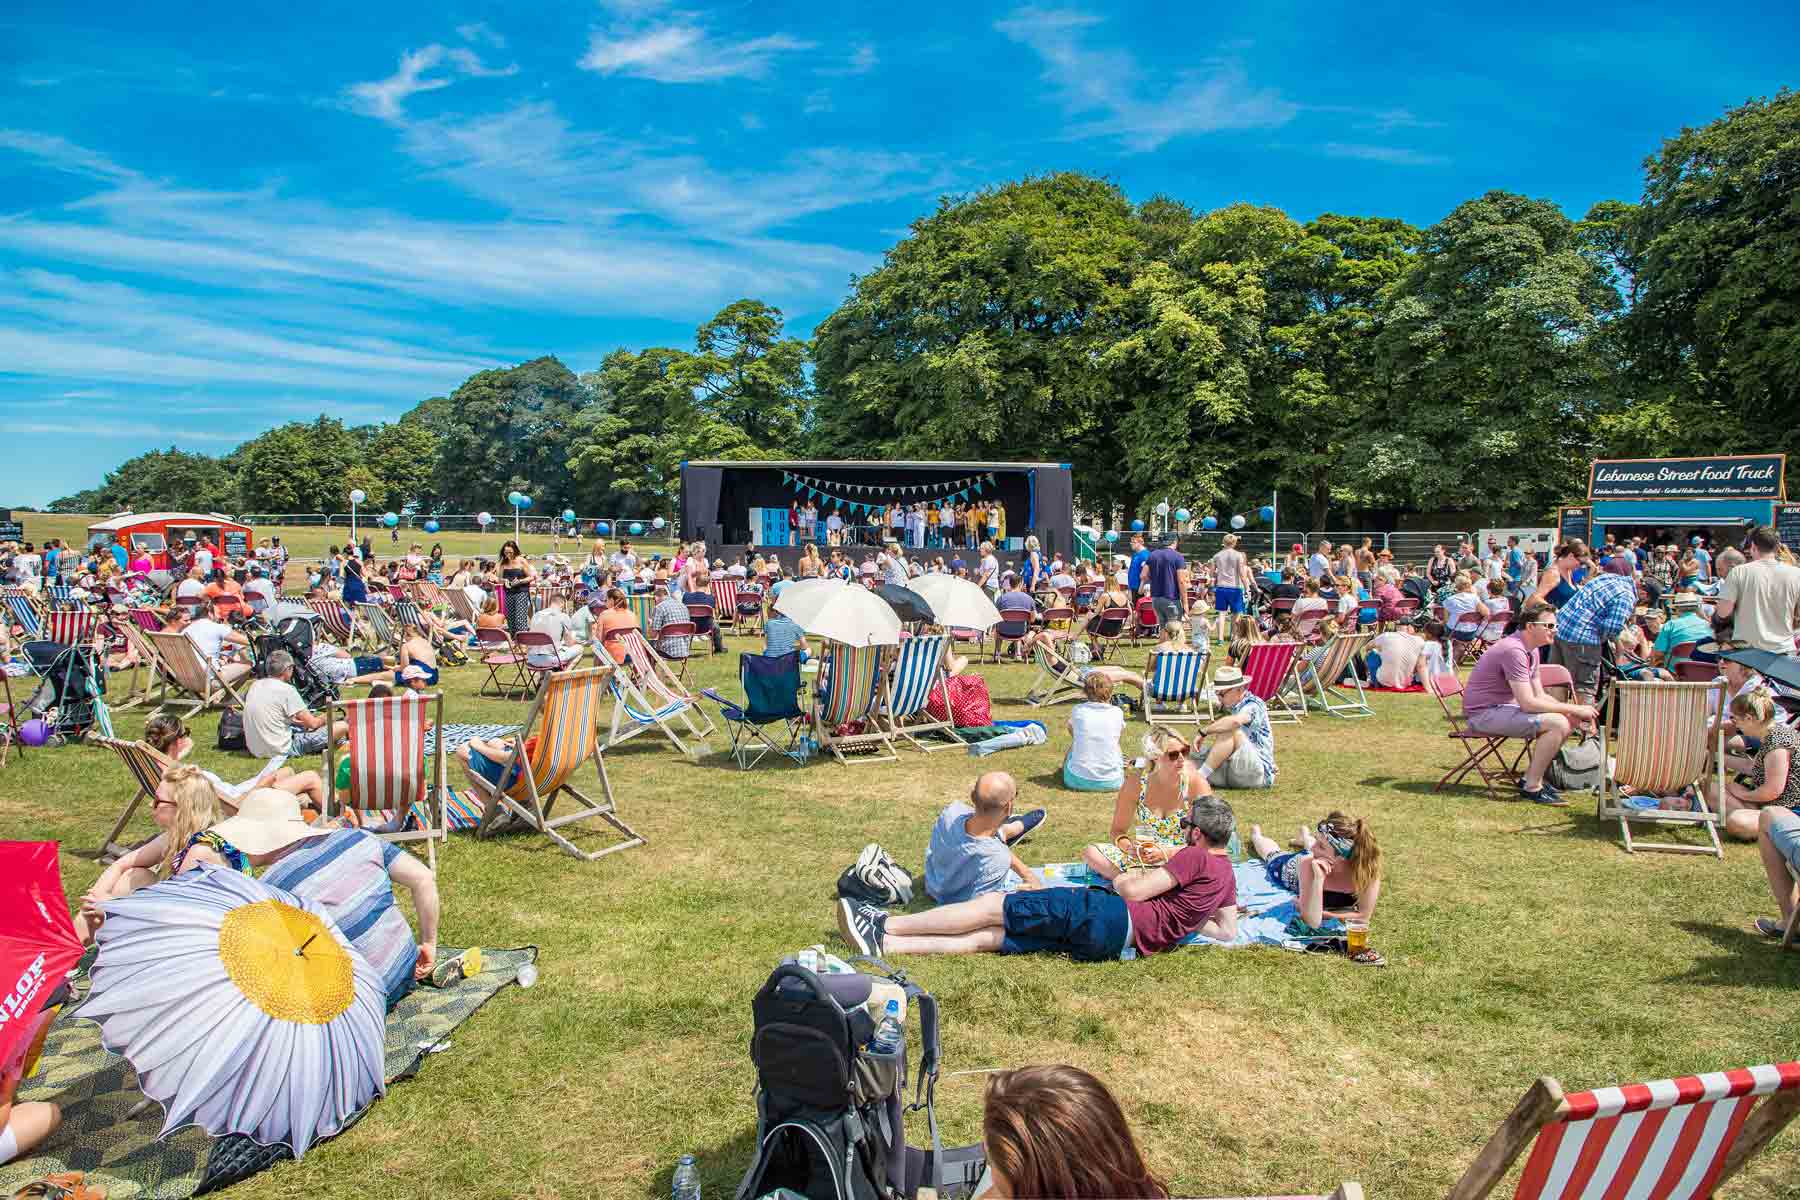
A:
1575	523
11	531
1787	525
237	543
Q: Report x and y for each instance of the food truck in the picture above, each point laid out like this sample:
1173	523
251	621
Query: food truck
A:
1674	500
153	533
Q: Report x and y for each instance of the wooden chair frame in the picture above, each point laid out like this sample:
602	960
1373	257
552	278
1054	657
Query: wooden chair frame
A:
432	781
1669	730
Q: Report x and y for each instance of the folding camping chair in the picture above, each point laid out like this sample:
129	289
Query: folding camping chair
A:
336	621
646	695
565	716
505	664
147	767
186	671
388	773
771	697
848	692
1175	682
1329	671
1272	675
1483	753
1661	749
1676	1139
1056	679
918	673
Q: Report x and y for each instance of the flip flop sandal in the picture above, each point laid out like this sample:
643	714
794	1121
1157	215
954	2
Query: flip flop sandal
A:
1770	928
1367	957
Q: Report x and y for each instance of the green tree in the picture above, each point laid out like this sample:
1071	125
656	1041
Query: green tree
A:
300	467
159	479
744	373
508	430
403	457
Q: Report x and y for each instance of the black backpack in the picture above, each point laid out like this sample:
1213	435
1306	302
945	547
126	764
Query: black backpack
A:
829	1110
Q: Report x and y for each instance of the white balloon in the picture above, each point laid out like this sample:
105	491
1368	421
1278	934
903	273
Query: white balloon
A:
1237	522
357	496
658	523
482	518
1162	508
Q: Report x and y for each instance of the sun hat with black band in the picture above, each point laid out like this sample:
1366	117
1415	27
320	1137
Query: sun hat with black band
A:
1684	602
267	819
1226	678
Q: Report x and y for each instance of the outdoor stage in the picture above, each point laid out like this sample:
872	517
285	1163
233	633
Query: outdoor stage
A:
739	506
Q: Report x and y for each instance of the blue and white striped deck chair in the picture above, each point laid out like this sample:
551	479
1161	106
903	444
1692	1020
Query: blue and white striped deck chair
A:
61	595
1172	691
23	613
406	612
378	631
919	673
646	695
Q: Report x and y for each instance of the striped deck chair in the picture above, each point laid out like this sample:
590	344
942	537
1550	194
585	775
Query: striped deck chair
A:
61	595
1056	679
335	620
189	676
146	618
1272	675
388	772
1174	681
148	669
430	595
146	767
24	613
461	606
1676	1139
641	604
849	691
565	717
378	630
407	612
1661	749
71	626
646	696
1325	680
725	603
918	672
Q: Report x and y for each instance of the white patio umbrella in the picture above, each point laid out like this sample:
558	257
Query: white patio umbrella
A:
242	1007
957	602
840	612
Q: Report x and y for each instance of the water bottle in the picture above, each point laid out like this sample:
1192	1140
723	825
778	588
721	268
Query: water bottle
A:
888	1035
686	1184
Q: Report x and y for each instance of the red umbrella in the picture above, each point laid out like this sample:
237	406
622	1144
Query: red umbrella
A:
38	943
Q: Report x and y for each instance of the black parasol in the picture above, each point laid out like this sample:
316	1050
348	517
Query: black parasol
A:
907	604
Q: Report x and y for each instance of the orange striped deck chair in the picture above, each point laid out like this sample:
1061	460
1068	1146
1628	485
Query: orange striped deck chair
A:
565	715
146	767
647	695
335	619
1272	675
189	677
388	772
1662	749
1325	679
1676	1139
849	692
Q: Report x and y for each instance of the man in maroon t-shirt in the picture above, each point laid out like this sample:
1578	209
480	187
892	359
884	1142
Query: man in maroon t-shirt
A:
1194	892
1505	698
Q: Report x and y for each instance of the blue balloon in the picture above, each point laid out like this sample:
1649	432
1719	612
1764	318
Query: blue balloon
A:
391	520
1137	527
601	529
1209	522
569	516
524	500
1112	535
1267	512
637	527
512	498
1182	515
431	525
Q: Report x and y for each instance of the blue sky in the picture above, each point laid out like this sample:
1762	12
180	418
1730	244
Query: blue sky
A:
217	217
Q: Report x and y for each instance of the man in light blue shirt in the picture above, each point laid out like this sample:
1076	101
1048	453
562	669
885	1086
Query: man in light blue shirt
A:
970	853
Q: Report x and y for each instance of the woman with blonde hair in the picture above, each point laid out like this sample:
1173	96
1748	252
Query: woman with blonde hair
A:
185	804
1774	780
1245	633
1056	1133
1156	793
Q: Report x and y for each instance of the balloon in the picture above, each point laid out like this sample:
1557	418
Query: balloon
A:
512	498
34	733
431	525
568	516
1238	522
390	519
524	500
1182	515
658	523
1112	535
357	496
637	527
1137	527
1162	508
601	529
1209	522
482	518
1267	513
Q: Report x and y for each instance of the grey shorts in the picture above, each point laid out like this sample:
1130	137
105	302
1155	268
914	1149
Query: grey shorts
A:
309	741
1506	720
1243	770
1583	661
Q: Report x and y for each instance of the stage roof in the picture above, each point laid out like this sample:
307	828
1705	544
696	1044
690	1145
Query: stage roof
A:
875	463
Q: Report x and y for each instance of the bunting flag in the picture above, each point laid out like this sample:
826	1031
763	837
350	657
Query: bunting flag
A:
830	491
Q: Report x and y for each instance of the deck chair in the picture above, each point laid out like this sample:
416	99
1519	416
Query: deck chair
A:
641	604
1483	753
646	695
1056	680
1327	685
60	595
771	698
849	691
505	664
1173	688
24	614
918	673
335	619
71	626
1676	1139
379	632
148	670
145	618
461	607
725	604
565	716
1661	748
146	767
1272	675
189	677
388	772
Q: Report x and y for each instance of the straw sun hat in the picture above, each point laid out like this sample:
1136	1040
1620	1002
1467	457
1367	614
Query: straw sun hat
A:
267	819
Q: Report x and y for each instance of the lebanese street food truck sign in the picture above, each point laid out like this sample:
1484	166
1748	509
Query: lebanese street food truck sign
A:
1742	477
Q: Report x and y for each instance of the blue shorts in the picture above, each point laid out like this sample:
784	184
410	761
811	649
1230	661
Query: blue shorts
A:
489	770
1229	600
368	664
1081	783
1784	834
1090	924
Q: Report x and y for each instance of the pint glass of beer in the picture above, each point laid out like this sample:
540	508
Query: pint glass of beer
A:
1143	838
1356	935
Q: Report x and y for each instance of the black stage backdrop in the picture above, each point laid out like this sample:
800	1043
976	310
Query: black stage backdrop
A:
716	497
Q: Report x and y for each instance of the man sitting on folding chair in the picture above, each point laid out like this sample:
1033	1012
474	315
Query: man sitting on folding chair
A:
1504	699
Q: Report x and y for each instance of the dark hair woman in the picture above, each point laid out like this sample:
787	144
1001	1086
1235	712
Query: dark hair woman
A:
1055	1132
516	576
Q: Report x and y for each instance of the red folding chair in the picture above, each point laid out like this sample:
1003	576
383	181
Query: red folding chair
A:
1483	753
1146	621
504	662
1010	631
701	615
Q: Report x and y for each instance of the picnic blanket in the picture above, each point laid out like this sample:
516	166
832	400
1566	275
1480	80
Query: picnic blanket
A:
1417	687
1270	907
457	736
119	1150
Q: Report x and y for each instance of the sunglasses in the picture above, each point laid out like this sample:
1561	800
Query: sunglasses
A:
1543	624
1176	754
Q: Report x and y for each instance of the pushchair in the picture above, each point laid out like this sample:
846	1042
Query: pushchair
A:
296	636
71	690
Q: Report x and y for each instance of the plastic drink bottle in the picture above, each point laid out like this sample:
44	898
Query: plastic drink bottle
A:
686	1183
889	1035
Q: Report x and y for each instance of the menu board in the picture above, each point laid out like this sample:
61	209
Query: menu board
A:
11	531
1734	477
1787	525
1575	523
237	543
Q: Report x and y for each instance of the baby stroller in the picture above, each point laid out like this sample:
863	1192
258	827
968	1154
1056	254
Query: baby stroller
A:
71	687
296	636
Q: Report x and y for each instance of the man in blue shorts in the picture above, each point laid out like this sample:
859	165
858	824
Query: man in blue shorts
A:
1149	911
1778	840
1231	577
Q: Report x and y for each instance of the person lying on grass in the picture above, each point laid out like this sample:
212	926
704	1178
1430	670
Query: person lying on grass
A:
1150	911
1335	868
1155	795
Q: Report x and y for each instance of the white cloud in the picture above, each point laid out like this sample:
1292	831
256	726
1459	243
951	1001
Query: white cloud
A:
681	52
750	121
1111	84
862	60
1396	155
817	102
481	31
386	98
64	155
115	429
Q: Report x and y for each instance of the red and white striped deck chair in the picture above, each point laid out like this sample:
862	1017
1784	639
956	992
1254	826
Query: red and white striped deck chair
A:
187	671
146	618
146	767
71	626
1662	749
388	772
1676	1139
647	695
335	619
429	595
725	602
1272	675
565	717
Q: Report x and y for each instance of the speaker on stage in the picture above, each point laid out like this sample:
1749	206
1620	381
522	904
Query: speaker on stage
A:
713	535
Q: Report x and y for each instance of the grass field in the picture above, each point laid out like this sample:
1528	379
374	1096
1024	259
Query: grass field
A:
1521	942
